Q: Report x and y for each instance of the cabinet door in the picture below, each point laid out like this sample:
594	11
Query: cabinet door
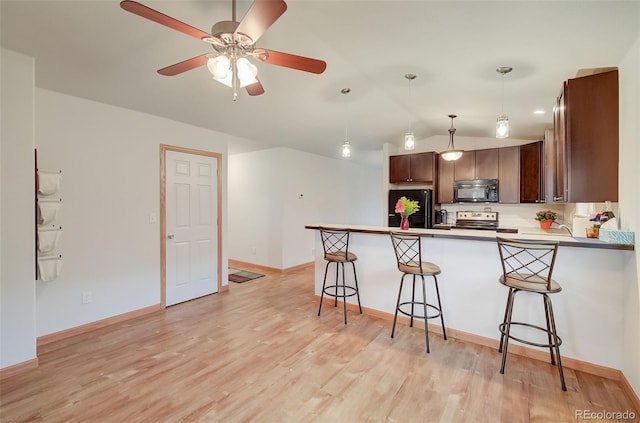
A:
531	173
509	174
465	166
559	141
421	167
592	141
399	168
487	164
445	181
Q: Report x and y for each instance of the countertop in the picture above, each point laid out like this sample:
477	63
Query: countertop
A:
487	235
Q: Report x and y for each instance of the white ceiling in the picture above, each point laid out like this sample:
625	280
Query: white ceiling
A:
95	50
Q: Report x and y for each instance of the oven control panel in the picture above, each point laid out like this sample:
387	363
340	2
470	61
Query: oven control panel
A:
477	215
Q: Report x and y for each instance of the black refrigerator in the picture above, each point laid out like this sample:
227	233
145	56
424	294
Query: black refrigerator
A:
421	218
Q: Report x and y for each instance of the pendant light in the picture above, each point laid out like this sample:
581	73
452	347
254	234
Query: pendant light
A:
451	154
409	138
502	124
346	147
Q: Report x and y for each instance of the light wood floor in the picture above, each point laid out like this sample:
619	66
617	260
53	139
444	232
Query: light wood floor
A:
259	353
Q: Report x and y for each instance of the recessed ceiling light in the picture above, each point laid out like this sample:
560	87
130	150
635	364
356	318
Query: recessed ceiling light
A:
539	112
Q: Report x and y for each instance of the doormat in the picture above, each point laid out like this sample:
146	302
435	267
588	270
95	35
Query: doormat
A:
240	276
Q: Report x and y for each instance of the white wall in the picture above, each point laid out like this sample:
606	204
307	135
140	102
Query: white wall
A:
17	246
267	213
110	162
629	75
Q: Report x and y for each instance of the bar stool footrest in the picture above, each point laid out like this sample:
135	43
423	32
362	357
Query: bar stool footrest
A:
349	291
421	305
503	330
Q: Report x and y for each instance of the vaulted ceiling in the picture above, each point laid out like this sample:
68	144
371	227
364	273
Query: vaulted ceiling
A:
95	50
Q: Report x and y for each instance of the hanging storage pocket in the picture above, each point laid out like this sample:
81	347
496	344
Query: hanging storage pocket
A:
49	267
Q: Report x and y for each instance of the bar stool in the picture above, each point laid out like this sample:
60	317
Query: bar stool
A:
528	266
409	257
336	250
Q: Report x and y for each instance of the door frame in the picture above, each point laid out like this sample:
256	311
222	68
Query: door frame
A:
163	212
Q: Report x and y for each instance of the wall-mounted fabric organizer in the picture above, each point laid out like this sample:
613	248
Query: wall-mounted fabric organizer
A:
49	267
48	210
48	238
48	181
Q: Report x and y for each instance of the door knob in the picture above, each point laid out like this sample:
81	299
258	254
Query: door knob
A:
170	236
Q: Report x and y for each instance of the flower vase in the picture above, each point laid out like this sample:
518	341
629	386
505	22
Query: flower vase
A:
546	224
404	223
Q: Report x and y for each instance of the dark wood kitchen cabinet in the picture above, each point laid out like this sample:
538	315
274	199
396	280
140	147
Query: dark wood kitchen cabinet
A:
444	194
586	140
411	168
477	164
531	173
487	163
509	174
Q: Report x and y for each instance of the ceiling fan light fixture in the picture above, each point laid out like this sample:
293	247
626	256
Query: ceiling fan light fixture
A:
502	127
409	141
247	72
451	154
219	66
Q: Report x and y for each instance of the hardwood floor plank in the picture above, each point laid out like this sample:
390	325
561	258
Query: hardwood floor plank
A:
259	353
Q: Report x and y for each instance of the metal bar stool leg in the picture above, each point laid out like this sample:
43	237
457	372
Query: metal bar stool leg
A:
444	331
344	295
504	321
324	282
335	297
395	317
355	278
424	303
507	327
413	299
556	341
549	331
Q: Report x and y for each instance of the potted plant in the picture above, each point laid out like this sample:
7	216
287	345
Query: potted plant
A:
406	207
593	231
546	218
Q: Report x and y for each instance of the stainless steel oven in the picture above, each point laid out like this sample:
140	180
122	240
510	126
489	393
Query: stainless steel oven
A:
476	191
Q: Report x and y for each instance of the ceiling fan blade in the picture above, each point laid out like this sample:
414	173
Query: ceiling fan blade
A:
290	61
260	16
185	65
255	89
153	15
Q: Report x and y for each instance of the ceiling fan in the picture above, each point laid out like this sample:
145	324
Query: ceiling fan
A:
233	43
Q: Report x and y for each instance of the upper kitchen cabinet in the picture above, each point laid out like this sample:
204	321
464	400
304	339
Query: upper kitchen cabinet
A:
585	153
478	164
444	187
411	168
531	173
509	174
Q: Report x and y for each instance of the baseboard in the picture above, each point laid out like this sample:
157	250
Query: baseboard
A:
541	355
258	267
57	336
16	369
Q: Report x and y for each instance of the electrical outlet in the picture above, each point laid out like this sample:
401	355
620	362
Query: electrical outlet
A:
86	297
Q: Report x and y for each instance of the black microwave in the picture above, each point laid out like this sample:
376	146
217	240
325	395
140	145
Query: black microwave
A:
476	191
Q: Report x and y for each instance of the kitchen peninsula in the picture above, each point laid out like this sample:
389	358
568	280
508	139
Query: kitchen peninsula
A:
595	277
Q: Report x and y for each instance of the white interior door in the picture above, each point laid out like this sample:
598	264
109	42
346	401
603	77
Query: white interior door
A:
191	226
